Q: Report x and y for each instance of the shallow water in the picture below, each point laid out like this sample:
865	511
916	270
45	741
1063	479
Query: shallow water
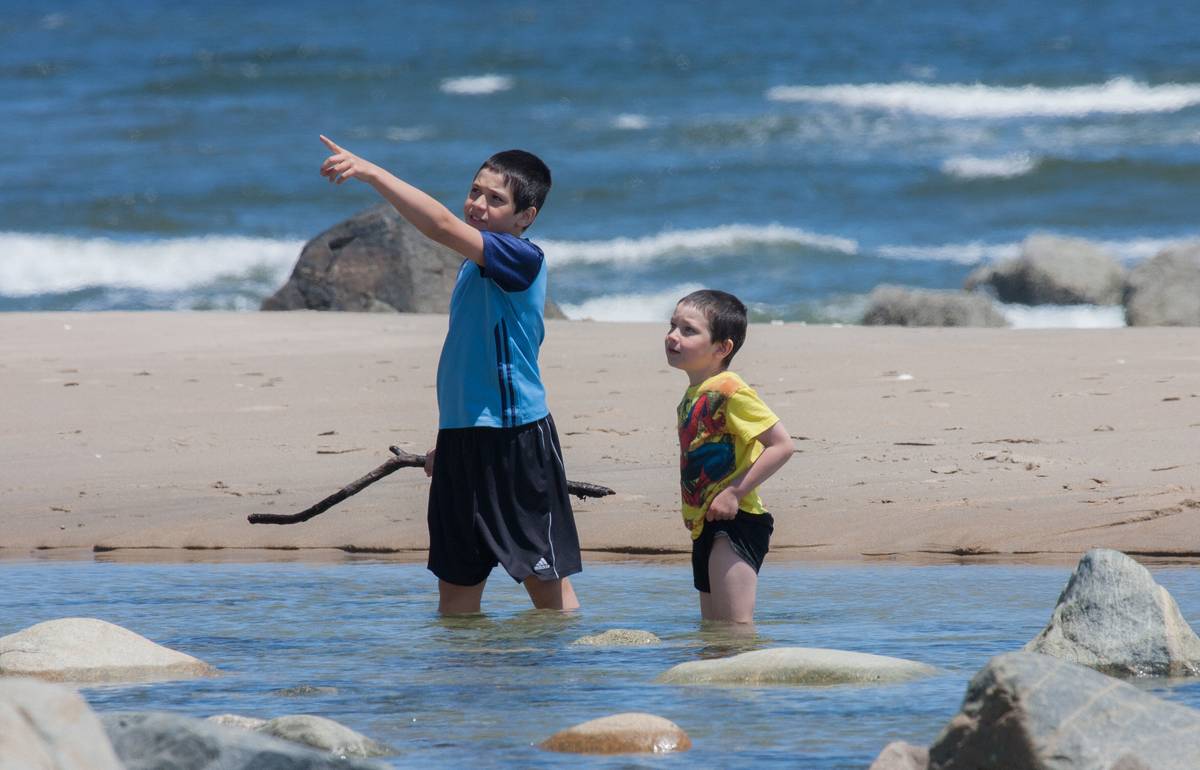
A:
485	690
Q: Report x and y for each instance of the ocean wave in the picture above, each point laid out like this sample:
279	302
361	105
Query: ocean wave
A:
477	85
703	241
653	306
1004	167
1117	96
46	264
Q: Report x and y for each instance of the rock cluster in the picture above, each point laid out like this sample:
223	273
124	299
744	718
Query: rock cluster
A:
1052	270
1053	704
376	261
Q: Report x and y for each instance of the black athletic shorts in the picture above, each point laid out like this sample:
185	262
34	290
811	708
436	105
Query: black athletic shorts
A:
749	534
499	496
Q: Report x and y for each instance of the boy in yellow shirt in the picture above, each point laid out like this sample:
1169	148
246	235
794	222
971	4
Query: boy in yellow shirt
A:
729	443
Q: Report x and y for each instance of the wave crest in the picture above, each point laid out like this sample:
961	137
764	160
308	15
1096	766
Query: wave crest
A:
477	85
704	241
1117	96
41	264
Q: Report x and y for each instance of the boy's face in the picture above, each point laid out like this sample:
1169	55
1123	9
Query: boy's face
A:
690	346
490	206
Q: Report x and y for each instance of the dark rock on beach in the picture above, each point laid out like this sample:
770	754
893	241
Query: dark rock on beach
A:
1052	270
373	262
1165	290
152	740
1026	711
899	306
1113	617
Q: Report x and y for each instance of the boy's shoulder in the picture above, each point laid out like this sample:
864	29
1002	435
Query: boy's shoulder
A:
726	383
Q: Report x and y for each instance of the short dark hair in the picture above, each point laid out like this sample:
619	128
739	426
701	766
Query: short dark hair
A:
527	177
726	316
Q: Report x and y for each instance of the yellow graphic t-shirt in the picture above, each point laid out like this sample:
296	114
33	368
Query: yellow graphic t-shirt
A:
719	420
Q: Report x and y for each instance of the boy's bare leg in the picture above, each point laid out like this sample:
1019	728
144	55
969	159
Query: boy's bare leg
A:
734	585
551	594
459	600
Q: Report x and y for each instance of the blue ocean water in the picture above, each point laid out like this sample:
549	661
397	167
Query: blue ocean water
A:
164	155
483	691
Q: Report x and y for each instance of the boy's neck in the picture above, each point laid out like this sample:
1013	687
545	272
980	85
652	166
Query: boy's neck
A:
697	377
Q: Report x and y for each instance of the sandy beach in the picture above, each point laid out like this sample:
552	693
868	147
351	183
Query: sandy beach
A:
134	431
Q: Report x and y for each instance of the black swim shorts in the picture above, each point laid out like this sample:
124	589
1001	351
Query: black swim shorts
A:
749	534
499	496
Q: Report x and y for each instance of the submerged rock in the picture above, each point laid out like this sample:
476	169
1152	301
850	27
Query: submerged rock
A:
236	721
151	741
91	650
1026	711
797	665
50	727
376	261
619	637
1113	617
898	306
899	755
628	733
326	734
1165	290
1053	270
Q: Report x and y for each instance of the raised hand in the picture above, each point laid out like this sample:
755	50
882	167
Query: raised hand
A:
342	164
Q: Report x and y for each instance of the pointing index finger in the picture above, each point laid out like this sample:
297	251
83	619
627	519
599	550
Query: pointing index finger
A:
330	144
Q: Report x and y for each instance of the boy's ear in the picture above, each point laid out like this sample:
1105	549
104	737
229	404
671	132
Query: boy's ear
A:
525	217
725	347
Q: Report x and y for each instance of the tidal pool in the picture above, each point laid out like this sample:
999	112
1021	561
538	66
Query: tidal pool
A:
485	690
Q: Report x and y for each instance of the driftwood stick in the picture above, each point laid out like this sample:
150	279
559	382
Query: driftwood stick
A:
400	460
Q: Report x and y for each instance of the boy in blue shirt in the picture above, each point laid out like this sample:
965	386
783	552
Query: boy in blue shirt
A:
499	491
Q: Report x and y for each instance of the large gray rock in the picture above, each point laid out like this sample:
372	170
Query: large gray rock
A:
91	650
899	755
1026	711
374	261
898	306
796	665
1165	290
1054	271
50	727
1113	617
629	733
153	741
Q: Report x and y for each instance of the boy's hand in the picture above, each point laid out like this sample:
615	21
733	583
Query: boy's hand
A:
429	463
723	506
343	165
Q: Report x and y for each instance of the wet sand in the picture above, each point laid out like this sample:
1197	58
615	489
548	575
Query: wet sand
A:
133	435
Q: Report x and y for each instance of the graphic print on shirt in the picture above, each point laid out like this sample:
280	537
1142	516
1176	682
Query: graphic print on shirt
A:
706	451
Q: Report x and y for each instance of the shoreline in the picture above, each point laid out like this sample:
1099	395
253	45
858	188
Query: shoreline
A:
162	431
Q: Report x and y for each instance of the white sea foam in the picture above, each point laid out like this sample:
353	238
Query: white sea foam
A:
1131	250
957	100
631	122
963	253
476	85
1064	316
656	306
708	240
1004	167
39	264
